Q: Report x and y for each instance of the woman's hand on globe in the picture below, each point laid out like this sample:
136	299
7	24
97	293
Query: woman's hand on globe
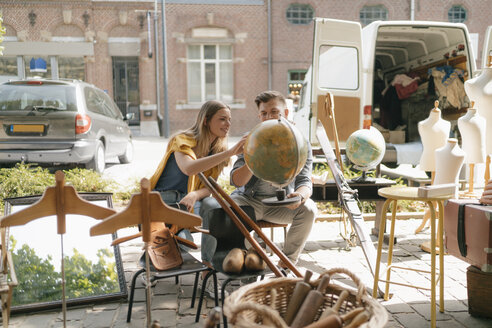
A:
239	146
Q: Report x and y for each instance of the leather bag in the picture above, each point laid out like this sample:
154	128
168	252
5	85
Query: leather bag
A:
164	252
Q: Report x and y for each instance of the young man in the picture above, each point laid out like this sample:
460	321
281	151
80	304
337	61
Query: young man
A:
251	190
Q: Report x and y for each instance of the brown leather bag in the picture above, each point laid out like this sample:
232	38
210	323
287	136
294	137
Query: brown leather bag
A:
164	252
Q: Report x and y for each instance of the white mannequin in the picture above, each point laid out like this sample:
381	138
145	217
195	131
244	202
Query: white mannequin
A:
480	90
434	131
472	128
449	160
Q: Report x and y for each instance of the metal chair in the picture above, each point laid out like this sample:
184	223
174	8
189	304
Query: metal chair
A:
190	265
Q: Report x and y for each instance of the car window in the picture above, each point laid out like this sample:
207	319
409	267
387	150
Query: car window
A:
107	105
92	101
25	96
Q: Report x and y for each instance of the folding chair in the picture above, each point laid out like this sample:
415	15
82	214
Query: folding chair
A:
190	265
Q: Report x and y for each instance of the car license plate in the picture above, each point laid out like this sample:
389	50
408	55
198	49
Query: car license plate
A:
39	128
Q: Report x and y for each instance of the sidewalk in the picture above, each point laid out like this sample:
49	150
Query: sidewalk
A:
325	249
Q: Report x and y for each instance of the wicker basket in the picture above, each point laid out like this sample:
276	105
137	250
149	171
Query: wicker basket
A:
263	304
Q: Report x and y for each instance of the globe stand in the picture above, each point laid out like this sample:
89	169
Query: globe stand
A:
364	178
280	200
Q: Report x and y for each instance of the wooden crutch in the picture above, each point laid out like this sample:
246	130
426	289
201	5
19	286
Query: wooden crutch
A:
225	201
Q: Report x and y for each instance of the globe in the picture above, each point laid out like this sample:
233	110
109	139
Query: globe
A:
275	151
365	148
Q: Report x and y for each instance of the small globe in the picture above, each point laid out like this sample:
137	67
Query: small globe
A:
365	148
275	151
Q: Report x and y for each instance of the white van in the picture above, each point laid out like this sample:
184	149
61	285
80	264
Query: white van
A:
356	64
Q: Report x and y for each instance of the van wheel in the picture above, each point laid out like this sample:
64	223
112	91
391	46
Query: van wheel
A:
98	162
127	157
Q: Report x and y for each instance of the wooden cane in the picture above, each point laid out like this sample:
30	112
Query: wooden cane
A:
253	225
238	223
330	109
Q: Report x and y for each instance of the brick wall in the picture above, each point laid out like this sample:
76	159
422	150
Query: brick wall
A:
246	25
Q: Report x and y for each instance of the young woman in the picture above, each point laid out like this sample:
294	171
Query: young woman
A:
201	148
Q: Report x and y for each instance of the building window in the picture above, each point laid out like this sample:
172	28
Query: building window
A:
457	14
8	69
210	73
71	68
296	77
300	14
370	14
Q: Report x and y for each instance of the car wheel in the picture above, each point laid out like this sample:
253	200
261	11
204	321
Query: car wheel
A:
127	156
98	162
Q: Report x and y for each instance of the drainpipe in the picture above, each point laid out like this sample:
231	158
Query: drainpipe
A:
165	121
412	10
269	44
157	76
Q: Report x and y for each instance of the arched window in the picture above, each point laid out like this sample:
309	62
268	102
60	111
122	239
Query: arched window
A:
457	14
369	14
300	14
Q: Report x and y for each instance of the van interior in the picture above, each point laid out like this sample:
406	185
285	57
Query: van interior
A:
413	67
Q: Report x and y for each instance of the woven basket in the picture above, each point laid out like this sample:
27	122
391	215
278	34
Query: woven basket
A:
263	304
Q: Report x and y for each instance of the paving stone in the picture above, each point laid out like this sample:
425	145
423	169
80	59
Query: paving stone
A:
411	320
469	321
165	302
39	320
167	318
99	319
189	322
424	310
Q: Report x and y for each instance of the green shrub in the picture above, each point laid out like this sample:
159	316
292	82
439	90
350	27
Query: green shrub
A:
26	180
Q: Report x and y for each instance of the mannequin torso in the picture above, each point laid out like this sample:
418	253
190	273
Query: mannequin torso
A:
449	160
472	128
479	89
434	131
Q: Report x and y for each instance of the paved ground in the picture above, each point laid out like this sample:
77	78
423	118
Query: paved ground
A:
325	249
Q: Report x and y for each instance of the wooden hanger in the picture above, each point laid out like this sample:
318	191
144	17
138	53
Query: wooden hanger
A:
58	200
143	209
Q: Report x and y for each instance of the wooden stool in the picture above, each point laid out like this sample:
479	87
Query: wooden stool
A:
392	195
265	224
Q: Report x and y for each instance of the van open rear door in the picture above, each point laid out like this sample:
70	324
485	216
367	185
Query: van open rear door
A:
337	68
487	48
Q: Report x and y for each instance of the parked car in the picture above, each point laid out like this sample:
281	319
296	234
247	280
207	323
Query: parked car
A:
61	122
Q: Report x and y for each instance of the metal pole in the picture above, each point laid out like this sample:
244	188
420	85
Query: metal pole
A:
165	121
157	76
412	10
149	36
269	44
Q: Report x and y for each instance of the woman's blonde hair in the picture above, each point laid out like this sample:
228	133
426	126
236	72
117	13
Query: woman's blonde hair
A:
200	131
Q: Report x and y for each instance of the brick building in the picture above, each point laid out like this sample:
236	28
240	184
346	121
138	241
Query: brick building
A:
215	48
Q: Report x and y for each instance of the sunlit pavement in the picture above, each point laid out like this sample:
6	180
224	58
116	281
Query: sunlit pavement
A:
324	250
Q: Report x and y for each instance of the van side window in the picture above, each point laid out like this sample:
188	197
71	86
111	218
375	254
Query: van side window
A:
92	101
338	67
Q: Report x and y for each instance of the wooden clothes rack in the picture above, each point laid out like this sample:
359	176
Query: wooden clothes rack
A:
143	209
58	200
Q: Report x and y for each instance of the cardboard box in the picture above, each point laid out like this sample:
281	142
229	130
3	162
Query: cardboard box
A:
394	137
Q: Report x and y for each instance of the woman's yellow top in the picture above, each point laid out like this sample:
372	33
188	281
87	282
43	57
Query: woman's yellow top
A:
184	144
